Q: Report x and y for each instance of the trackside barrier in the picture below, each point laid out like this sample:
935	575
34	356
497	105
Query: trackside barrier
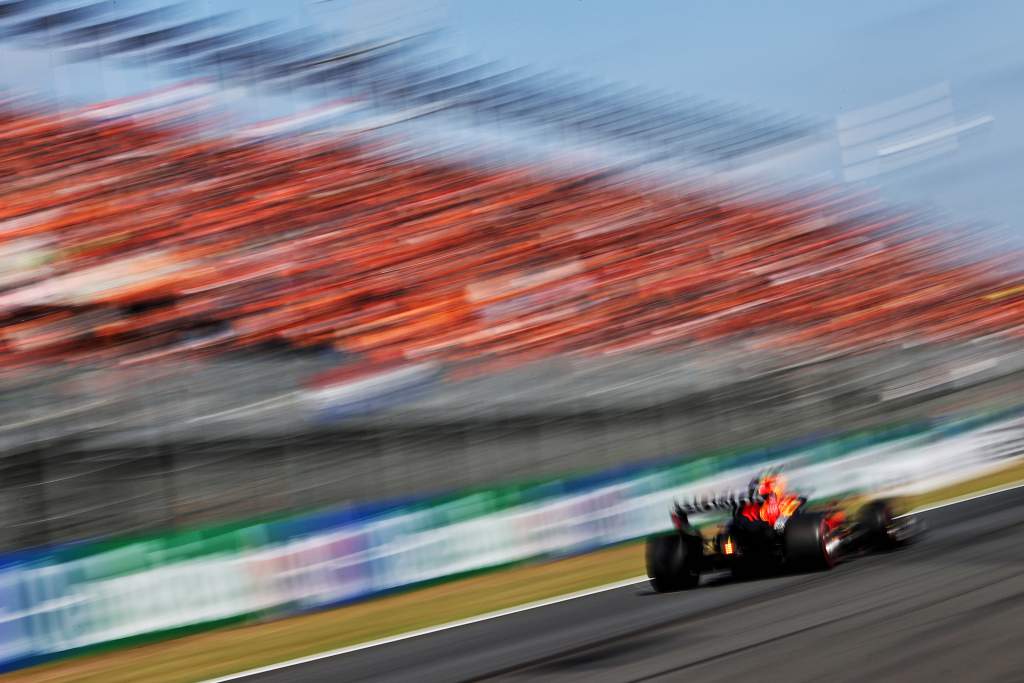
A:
63	599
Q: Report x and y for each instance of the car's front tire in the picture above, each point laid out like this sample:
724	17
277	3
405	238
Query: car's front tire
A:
877	522
881	528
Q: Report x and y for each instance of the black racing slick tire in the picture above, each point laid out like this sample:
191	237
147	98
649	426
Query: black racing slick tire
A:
806	542
876	521
673	562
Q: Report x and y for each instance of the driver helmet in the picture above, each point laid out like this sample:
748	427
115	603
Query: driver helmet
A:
768	484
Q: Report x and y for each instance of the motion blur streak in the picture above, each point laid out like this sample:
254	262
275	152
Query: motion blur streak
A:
296	311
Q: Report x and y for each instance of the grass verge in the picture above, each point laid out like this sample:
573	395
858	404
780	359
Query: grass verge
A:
220	652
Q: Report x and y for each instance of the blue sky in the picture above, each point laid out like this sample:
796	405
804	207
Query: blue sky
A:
806	57
798	55
803	57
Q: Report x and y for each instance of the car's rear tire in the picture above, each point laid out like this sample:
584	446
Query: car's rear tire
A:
806	542
673	562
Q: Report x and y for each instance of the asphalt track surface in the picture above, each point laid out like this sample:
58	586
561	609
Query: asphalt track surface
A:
949	608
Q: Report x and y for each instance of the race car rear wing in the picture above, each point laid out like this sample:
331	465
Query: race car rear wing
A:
727	501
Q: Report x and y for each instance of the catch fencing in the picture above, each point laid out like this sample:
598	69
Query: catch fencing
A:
88	452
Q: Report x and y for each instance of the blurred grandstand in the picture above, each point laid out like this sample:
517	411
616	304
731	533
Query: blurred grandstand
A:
167	277
128	240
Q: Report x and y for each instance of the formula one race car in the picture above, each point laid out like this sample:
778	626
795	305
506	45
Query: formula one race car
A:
769	530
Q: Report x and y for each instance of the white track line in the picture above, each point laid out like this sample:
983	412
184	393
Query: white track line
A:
533	605
432	629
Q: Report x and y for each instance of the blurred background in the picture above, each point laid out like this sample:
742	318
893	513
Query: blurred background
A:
260	261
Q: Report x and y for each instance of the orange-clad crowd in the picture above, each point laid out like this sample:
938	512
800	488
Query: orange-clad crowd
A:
124	241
